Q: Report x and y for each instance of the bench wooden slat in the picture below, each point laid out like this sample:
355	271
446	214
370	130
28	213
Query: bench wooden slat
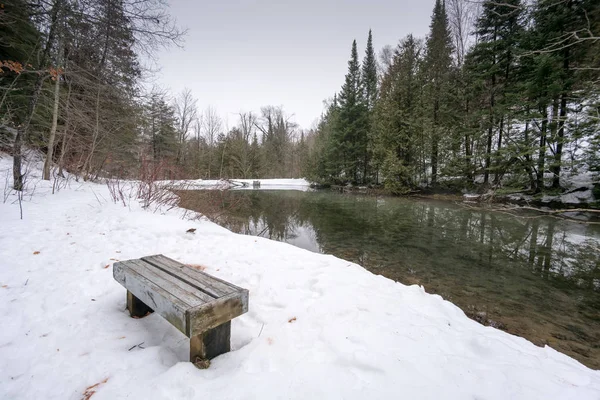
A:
208	284
210	315
177	287
157	298
199	305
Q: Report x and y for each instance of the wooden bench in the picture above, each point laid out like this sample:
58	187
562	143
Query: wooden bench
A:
199	305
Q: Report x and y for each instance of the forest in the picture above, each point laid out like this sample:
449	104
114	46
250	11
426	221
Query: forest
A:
497	94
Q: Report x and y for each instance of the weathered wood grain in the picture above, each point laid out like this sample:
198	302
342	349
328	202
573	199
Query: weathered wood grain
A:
177	287
136	307
208	284
210	315
209	344
154	296
199	305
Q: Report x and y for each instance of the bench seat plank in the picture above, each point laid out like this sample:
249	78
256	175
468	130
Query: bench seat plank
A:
210	315
156	297
194	302
177	287
212	286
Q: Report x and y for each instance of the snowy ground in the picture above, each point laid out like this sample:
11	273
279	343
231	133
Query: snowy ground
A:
318	327
265	184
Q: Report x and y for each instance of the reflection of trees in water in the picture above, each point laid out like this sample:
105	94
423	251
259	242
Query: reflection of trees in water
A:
532	274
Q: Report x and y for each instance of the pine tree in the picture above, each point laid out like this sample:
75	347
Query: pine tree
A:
561	55
19	41
438	70
162	129
350	133
397	118
369	74
492	68
369	85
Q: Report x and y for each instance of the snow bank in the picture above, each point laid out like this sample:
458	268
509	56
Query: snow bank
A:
318	327
265	184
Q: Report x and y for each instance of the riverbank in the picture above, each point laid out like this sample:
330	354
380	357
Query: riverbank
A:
318	326
581	191
525	272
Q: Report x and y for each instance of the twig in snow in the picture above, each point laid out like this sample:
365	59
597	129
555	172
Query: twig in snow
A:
26	282
137	345
261	329
263	231
99	202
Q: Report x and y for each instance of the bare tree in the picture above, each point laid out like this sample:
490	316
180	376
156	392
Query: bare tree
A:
211	126
461	15
187	113
386	56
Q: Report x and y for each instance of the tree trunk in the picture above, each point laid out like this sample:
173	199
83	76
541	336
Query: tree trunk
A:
51	138
488	153
88	162
498	159
559	142
65	139
17	154
23	132
434	145
542	152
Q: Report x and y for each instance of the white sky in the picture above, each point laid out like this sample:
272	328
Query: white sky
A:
241	55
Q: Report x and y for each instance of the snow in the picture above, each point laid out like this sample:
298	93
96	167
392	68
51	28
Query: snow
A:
222	184
355	335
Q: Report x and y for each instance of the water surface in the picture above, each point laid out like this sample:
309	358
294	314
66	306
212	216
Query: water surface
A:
536	277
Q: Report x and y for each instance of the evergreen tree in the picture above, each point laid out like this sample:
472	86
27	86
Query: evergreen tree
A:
438	71
493	71
350	132
369	74
19	41
369	85
397	118
162	128
560	54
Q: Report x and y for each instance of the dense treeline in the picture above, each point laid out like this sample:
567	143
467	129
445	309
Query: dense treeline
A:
72	85
498	91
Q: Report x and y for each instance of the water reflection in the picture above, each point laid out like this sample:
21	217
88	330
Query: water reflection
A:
535	277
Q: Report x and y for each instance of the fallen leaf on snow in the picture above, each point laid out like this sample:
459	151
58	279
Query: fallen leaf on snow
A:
291	320
35	253
269	340
197	266
191	230
90	390
106	266
4	286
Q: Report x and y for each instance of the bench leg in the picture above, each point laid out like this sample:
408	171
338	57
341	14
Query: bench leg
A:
210	344
136	307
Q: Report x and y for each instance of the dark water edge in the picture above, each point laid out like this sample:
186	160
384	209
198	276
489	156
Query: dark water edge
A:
534	276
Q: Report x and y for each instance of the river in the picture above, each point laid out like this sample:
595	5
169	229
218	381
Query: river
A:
536	277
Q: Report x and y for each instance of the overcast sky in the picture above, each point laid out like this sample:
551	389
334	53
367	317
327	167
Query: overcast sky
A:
241	55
